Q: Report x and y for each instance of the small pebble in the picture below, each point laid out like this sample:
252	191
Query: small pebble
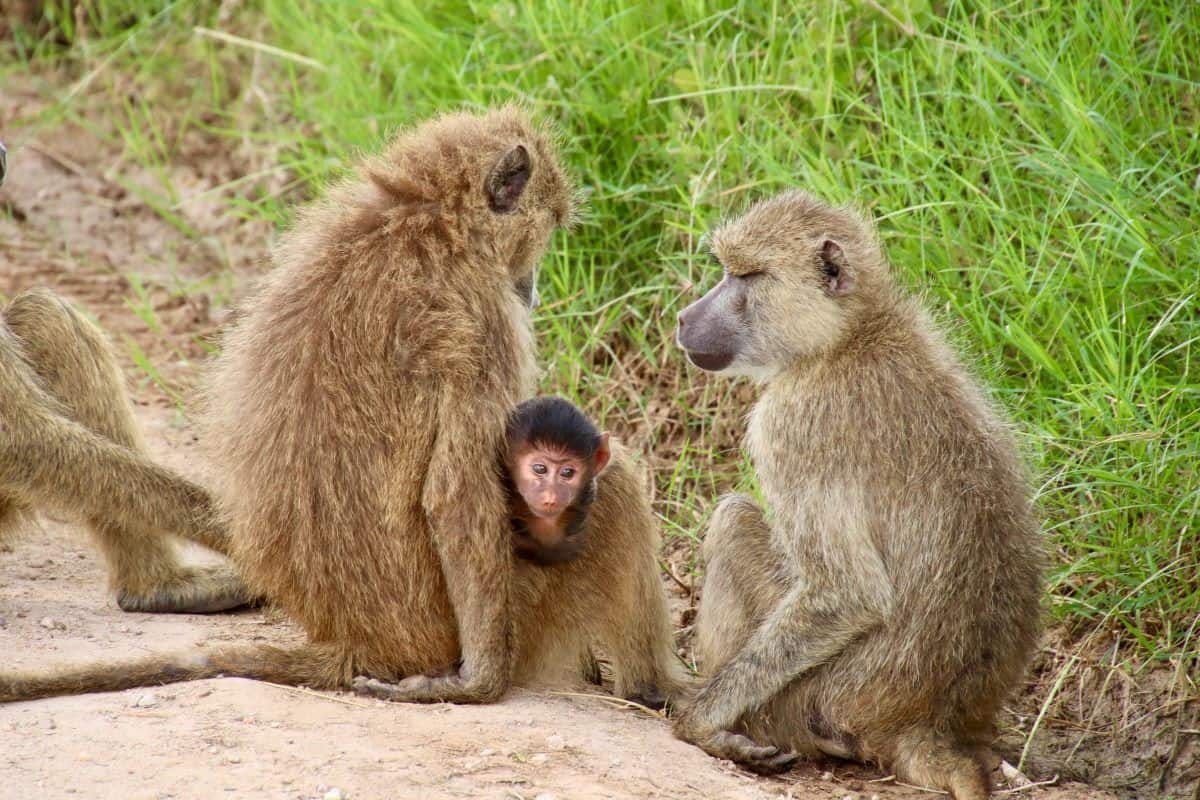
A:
556	742
51	624
148	700
546	796
335	794
233	759
49	724
826	776
487	751
539	759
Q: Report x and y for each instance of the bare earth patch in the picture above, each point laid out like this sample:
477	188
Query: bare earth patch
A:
65	222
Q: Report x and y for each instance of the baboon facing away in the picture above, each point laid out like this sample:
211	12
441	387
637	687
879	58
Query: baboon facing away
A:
358	420
889	599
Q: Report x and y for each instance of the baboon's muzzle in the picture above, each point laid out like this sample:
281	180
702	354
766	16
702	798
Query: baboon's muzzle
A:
710	331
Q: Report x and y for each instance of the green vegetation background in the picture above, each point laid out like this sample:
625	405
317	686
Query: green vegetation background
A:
1033	167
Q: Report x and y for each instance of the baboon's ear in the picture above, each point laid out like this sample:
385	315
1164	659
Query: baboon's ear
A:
603	453
508	178
836	269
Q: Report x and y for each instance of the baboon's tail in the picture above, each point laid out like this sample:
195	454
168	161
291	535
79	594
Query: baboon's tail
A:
310	665
929	760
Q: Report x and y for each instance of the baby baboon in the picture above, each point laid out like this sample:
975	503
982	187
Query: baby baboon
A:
554	455
68	442
889	601
359	413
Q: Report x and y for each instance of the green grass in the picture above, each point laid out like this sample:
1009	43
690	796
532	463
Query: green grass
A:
1033	169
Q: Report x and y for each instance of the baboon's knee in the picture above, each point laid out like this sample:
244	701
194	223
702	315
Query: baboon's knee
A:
736	516
74	363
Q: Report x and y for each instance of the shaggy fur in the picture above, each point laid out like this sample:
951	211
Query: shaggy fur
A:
68	442
890	600
358	420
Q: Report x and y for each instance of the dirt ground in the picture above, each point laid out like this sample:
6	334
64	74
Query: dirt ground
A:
65	222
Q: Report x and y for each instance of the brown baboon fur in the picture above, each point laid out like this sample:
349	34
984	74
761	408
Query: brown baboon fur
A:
889	600
68	442
358	422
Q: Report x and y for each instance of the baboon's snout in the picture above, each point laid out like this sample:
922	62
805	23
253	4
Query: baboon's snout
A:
703	335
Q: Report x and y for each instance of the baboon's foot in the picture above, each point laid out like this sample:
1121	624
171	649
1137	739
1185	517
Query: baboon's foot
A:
764	760
194	590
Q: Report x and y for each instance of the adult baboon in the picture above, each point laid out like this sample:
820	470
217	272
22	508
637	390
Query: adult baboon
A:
358	423
889	600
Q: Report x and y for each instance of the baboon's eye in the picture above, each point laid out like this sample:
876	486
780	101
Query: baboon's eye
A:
567	472
539	469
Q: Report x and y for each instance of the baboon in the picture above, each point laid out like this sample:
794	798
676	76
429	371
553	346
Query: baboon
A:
554	455
357	420
889	599
68	442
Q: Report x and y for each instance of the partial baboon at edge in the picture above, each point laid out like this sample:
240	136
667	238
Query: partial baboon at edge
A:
68	442
357	424
889	600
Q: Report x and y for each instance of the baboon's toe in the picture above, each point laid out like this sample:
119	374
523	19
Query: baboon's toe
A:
196	590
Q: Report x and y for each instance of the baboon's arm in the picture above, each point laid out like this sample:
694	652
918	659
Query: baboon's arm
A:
836	598
468	517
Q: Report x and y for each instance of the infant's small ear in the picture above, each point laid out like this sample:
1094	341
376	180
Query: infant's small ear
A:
507	179
836	269
603	453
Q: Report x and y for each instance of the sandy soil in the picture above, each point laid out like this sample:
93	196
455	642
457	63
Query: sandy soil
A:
65	222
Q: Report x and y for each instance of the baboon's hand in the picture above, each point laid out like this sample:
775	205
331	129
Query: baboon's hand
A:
765	760
452	687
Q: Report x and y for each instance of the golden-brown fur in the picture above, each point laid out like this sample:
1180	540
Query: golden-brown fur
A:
357	424
890	599
69	443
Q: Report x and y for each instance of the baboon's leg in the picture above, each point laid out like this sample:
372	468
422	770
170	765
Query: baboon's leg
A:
806	628
75	446
927	759
744	580
639	638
